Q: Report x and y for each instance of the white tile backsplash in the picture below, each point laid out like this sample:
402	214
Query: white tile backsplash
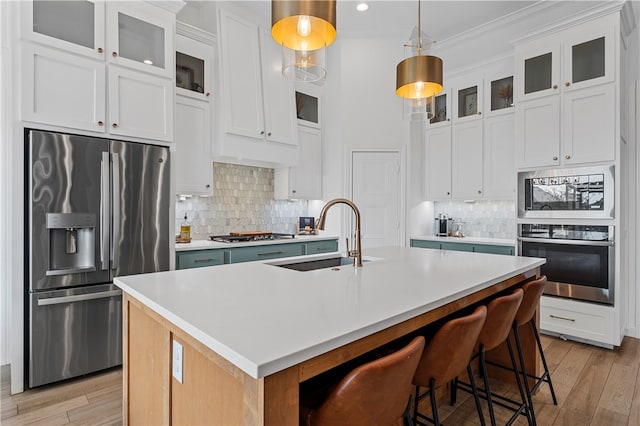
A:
242	201
488	219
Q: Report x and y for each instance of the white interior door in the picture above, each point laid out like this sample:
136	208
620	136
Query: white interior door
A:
377	191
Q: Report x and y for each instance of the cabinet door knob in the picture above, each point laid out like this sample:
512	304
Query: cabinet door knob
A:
262	132
479	112
555	158
114	125
208	94
100	50
100	123
269	134
114	54
448	119
567	157
555	86
479	192
567	84
293	191
448	193
208	186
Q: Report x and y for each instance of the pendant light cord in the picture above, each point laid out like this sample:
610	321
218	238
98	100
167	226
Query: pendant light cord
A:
419	31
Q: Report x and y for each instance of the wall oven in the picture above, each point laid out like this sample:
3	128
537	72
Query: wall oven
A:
578	193
580	259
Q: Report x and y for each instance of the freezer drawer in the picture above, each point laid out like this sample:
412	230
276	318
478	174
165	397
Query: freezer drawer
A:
74	332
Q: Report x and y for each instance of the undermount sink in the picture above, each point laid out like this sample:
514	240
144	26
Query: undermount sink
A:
312	265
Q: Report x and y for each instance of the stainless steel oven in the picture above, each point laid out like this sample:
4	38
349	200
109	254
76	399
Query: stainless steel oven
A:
580	259
578	193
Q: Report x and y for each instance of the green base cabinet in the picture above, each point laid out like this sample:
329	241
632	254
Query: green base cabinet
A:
477	248
222	256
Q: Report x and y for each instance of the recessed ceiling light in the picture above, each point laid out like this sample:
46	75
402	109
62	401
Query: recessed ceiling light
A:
362	7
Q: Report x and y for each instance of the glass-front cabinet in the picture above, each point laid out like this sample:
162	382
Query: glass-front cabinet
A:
75	26
572	59
500	94
467	101
441	110
140	38
194	68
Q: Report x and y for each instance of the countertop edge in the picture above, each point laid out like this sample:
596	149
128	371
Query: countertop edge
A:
468	240
212	245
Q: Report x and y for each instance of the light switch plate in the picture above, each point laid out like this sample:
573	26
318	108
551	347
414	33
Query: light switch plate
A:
177	361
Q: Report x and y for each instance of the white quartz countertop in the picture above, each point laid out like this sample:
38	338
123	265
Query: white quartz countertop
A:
468	240
264	318
207	244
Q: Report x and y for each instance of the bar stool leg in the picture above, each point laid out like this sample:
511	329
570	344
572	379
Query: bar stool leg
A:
528	409
547	375
516	336
476	396
485	379
432	397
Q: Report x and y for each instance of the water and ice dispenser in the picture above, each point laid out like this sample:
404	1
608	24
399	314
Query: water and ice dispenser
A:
71	243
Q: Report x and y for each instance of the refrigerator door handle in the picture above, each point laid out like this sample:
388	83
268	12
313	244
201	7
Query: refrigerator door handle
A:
115	244
78	298
104	211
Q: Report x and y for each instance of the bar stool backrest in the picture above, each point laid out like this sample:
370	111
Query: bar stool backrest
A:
450	350
374	393
501	313
532	292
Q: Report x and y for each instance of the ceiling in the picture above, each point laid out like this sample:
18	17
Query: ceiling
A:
439	19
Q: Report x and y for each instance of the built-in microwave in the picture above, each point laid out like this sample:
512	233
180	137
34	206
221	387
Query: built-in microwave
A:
577	193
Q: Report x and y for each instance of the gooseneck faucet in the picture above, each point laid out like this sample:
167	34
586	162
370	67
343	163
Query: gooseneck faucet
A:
356	253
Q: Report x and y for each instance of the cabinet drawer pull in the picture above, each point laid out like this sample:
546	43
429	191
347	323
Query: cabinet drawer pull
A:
271	253
203	260
562	318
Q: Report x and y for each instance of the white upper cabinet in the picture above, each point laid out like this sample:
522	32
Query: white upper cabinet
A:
571	59
304	181
258	106
441	110
467	102
140	37
63	89
467	160
195	53
73	26
72	80
499	180
566	96
437	169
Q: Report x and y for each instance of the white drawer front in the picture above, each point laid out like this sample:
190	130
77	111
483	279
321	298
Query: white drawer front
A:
584	320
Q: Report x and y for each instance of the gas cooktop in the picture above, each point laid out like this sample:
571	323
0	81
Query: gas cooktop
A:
235	237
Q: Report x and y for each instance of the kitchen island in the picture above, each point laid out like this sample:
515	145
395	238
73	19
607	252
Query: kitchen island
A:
251	333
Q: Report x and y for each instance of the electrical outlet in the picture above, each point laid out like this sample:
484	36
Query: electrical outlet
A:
177	361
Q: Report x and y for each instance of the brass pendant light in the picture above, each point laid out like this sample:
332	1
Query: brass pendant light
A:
303	24
419	76
304	28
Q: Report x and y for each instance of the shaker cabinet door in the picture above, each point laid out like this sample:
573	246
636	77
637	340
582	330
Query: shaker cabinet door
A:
62	89
140	105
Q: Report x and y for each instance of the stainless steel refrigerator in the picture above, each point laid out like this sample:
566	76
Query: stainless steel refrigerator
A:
97	209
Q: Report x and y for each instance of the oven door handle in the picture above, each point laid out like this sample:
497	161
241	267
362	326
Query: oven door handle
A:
568	242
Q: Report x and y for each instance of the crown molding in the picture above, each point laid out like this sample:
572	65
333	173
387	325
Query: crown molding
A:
195	33
173	6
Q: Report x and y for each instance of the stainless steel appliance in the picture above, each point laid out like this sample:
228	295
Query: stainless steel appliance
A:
585	193
442	225
235	237
96	209
580	259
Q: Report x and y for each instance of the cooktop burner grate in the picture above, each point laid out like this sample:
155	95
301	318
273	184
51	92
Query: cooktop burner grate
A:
248	236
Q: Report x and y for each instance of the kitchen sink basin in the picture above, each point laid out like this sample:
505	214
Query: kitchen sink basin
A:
312	265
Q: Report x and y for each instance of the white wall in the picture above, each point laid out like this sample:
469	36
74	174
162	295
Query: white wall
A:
5	310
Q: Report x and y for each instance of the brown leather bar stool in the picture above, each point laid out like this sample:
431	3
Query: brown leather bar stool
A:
532	292
446	357
501	313
373	393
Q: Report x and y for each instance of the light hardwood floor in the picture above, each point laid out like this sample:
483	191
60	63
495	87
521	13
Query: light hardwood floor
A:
594	386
